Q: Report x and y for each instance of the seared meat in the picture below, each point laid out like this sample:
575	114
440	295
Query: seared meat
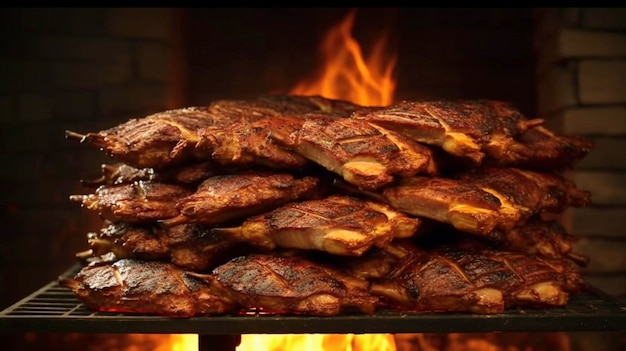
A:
295	285
189	246
541	148
451	279
159	140
528	192
235	196
120	173
338	224
362	153
145	287
463	128
137	202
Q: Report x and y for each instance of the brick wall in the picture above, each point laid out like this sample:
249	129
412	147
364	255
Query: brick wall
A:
581	75
76	69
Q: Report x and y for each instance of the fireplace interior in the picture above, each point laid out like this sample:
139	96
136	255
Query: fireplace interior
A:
89	69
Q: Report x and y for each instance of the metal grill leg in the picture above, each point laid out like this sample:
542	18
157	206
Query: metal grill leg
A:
218	342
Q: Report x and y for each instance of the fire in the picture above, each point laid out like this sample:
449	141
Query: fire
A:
317	342
347	75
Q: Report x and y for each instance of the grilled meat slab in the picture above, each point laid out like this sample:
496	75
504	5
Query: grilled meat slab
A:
120	173
137	202
338	224
295	285
145	287
451	279
235	196
362	153
189	246
463	128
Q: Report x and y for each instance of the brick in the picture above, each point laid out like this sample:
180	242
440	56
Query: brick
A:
606	256
74	104
93	49
63	20
8	108
601	120
602	81
26	75
607	188
153	60
34	107
556	91
607	153
581	43
609	222
604	18
152	23
148	98
87	75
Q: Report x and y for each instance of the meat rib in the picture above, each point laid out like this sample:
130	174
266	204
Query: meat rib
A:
294	285
464	128
362	153
189	246
338	224
145	287
450	279
234	196
137	202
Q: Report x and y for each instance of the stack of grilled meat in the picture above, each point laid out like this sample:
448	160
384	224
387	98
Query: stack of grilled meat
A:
306	205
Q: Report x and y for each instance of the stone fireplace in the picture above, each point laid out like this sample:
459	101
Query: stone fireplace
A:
89	69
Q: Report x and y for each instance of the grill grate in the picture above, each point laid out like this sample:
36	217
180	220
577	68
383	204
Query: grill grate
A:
53	308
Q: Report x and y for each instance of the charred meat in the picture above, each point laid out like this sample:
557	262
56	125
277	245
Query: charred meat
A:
338	224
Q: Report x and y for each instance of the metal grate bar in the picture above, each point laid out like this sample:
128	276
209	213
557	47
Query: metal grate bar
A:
56	309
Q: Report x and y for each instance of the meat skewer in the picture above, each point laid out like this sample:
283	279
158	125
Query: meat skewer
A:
145	287
234	196
338	224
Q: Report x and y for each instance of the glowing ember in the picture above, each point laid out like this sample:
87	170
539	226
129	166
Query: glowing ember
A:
317	342
346	75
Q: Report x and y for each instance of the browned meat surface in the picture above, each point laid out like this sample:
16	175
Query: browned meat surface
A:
137	202
295	285
156	141
544	238
235	196
189	246
452	279
120	173
463	128
145	287
338	224
362	153
528	192
541	148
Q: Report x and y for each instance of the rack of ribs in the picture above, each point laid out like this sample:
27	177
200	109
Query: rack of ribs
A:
338	224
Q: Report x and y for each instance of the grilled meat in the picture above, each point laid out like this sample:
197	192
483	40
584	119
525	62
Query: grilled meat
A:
145	287
159	140
338	224
227	197
295	285
189	246
451	279
525	191
541	148
362	153
137	202
120	173
463	128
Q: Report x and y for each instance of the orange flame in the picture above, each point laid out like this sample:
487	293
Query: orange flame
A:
346	75
317	342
